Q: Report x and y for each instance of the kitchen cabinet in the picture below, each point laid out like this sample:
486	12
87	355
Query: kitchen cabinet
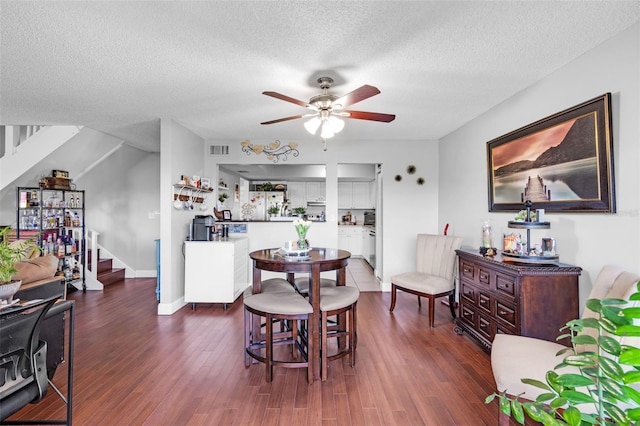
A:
350	239
316	191
215	271
505	297
355	195
366	247
296	194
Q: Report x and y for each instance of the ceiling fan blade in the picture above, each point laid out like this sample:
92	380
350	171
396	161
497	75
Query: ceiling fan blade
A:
288	99
373	116
279	120
357	95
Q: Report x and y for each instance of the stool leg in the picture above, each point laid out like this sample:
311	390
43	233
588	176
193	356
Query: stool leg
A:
432	307
294	339
269	349
353	334
247	337
323	348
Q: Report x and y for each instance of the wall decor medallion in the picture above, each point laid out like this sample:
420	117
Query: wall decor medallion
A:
398	178
562	163
411	169
274	151
420	181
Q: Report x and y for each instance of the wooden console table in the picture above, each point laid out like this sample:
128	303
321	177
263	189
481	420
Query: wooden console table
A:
512	298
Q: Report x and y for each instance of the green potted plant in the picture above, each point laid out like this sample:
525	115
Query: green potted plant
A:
601	394
299	211
10	254
222	197
273	210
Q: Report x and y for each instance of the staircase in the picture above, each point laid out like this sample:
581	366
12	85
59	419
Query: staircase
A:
107	274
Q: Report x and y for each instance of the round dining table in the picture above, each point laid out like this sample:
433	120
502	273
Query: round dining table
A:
319	260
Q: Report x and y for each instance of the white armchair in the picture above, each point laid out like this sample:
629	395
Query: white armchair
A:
434	273
516	357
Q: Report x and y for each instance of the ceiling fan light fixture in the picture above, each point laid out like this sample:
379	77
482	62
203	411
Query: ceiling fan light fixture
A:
312	125
327	132
335	123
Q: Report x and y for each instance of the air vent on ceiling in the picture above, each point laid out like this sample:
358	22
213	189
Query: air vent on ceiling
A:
218	149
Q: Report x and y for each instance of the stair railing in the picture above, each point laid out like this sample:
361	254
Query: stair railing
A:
12	136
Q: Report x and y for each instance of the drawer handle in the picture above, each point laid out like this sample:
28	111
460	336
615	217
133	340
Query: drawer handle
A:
503	312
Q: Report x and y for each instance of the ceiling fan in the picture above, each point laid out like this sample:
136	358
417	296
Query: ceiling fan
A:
328	109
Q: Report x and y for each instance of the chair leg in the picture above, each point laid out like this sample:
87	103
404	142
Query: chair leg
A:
432	306
419	302
452	302
393	297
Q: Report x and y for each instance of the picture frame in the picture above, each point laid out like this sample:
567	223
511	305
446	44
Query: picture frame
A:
205	183
562	163
226	214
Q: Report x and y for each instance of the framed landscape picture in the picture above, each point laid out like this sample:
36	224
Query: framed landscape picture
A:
561	163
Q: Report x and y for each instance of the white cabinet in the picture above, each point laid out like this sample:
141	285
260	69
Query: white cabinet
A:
355	195
296	194
215	271
316	191
350	239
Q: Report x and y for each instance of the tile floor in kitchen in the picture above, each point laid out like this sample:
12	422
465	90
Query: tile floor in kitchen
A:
360	274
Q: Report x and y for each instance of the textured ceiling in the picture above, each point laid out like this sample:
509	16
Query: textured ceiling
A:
119	66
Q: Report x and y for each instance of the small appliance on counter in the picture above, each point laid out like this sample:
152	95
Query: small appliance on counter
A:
370	218
202	227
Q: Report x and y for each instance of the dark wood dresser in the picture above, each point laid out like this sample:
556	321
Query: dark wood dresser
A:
506	297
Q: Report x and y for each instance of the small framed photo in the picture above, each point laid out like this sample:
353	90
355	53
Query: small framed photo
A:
205	183
226	214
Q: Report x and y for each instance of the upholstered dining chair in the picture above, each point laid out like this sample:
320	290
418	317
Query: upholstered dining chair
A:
433	276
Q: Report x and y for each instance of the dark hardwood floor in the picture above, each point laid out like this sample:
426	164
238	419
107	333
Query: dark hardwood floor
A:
134	367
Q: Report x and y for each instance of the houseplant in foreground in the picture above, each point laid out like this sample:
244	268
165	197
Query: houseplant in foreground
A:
603	393
10	254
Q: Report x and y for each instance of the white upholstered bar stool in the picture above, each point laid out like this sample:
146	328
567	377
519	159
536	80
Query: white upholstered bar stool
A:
276	306
302	284
334	301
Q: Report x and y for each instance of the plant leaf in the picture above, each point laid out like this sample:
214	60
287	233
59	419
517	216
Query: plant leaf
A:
595	305
545	397
536	383
505	406
577	397
584	339
516	411
611	368
633	312
591	323
628	330
633	414
609	345
633	394
490	398
574	380
572	416
612	301
580	360
631	377
558	402
615	389
630	356
607	325
534	411
616	413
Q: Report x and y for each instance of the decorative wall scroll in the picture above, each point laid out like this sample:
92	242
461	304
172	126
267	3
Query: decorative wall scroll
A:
274	151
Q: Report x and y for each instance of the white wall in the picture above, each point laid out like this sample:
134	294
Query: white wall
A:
119	193
180	154
588	240
408	208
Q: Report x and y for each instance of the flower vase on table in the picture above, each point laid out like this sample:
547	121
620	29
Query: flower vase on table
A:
302	226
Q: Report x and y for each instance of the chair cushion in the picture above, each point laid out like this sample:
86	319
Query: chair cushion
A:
279	303
276	285
424	283
36	269
302	283
517	357
337	297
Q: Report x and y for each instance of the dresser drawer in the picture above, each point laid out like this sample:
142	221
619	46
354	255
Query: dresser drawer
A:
506	285
484	277
485	327
468	314
484	301
506	313
467	270
468	291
